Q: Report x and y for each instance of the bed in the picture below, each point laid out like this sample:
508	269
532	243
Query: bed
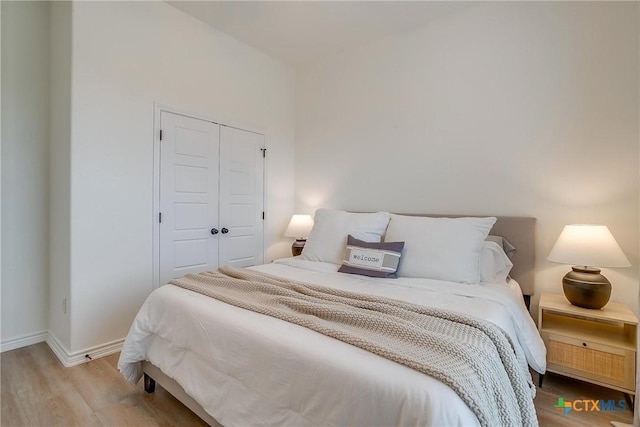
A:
233	366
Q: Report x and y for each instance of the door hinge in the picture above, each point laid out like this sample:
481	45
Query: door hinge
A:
160	134
263	215
160	217
264	152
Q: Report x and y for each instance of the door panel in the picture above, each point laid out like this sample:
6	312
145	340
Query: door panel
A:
241	197
189	216
241	215
190	253
192	142
191	179
189	171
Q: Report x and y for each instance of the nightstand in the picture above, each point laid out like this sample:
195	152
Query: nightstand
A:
597	346
297	247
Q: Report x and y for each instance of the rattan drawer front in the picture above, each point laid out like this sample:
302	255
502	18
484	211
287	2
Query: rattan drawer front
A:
591	361
588	360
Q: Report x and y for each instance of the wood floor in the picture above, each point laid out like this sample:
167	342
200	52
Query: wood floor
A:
38	391
555	386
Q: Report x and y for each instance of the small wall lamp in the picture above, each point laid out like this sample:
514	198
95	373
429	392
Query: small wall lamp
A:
587	247
299	227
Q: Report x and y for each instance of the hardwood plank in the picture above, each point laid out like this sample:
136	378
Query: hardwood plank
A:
12	413
26	368
43	409
37	390
167	409
112	360
68	409
37	387
99	383
125	414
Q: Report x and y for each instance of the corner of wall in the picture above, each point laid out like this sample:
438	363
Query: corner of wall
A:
60	170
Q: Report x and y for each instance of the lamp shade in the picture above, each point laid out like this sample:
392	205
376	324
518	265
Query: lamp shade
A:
588	245
299	226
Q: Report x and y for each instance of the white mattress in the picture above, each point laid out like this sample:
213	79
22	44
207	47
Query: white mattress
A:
245	368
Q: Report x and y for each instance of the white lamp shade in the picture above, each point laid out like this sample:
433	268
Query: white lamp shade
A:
588	245
299	226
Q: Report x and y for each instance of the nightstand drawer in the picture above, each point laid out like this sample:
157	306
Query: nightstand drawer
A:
589	360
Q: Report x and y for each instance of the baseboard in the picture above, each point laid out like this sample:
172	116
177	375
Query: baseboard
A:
70	359
58	348
67	358
23	341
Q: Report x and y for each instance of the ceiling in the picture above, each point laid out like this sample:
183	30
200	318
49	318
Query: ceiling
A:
302	32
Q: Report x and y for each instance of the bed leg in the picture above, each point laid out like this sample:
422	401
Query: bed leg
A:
540	378
149	384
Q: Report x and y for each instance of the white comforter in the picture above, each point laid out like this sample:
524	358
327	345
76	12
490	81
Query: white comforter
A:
245	368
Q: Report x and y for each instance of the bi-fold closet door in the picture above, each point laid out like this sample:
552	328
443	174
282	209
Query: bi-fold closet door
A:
211	196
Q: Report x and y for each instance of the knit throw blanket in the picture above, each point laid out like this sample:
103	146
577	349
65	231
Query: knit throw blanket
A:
473	357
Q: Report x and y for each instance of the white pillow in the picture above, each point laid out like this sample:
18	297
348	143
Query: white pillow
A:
440	248
495	264
506	245
328	238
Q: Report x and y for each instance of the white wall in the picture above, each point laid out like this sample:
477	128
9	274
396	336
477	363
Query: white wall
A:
125	57
0	177
60	173
25	127
521	108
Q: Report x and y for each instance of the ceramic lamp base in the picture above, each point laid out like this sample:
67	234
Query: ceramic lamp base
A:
586	287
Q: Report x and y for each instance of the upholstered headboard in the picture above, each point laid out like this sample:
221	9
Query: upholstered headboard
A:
521	232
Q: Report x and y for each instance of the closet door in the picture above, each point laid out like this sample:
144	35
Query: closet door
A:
241	197
189	173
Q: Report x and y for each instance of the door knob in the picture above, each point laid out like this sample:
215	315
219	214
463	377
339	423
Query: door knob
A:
224	230
214	231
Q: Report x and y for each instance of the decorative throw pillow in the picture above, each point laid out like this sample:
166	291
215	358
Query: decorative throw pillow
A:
440	248
328	237
372	259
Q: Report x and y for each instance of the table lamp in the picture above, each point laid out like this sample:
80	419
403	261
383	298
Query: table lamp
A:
587	247
299	227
